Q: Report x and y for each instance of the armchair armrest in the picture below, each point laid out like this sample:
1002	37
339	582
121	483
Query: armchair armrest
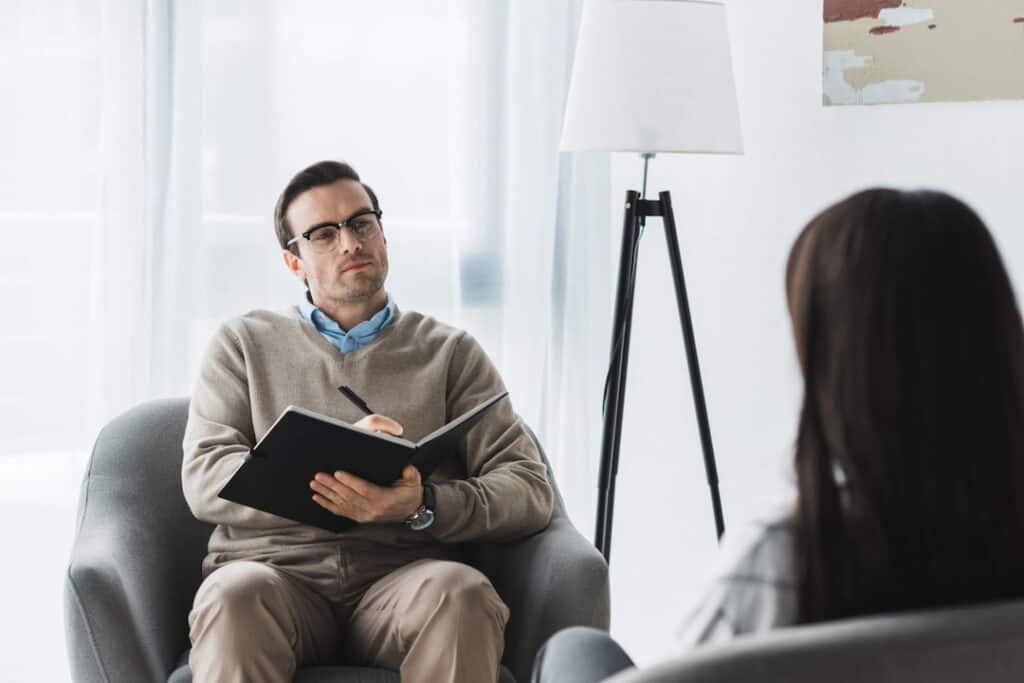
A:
550	580
125	594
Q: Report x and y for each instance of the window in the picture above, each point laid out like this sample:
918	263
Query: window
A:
49	142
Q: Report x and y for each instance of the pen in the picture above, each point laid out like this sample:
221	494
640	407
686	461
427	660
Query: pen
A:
356	401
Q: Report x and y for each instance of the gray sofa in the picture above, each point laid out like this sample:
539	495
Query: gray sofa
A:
135	566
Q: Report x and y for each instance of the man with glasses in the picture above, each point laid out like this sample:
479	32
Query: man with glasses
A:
277	594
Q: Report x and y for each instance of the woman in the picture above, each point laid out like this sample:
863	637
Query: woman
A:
910	446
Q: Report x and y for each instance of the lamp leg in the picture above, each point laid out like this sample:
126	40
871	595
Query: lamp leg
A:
668	218
616	386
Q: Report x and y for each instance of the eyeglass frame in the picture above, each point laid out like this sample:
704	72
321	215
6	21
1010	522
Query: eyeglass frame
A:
337	224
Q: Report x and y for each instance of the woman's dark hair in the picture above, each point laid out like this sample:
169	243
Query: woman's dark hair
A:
320	173
909	447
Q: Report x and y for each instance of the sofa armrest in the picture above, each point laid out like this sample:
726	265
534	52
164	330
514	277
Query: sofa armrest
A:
550	580
126	594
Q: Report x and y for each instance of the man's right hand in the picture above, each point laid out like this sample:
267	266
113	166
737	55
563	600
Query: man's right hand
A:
349	496
380	423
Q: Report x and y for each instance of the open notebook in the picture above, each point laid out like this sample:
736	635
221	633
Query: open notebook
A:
275	477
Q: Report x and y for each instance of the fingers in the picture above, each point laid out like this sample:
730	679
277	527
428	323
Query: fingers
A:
336	494
411	476
349	496
342	489
339	498
340	510
352	483
380	423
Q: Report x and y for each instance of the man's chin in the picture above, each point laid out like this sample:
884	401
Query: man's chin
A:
358	295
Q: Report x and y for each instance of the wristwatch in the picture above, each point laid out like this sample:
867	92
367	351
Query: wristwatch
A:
424	516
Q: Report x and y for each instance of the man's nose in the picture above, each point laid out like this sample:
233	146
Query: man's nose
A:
348	242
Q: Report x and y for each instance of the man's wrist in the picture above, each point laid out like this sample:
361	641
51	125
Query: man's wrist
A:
423	517
418	503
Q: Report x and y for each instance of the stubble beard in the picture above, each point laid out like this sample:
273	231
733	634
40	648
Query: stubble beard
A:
363	288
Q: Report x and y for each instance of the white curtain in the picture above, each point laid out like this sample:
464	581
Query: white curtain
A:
148	203
175	145
552	210
203	111
142	154
118	330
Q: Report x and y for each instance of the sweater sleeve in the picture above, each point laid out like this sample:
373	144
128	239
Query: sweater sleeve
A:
218	435
506	494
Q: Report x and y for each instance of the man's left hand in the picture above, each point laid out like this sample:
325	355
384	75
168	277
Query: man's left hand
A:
349	496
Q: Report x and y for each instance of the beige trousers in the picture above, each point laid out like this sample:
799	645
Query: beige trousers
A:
433	620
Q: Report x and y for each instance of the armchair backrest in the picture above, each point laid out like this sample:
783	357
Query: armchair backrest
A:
983	643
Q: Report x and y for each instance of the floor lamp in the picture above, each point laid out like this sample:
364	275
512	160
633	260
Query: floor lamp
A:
650	76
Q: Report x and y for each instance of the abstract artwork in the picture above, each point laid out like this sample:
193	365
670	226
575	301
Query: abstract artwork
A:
889	51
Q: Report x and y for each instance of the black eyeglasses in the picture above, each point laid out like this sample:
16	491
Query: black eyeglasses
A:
323	237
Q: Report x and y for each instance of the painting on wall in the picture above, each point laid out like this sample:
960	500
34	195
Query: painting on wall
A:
890	51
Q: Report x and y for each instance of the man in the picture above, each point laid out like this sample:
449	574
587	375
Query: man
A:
277	594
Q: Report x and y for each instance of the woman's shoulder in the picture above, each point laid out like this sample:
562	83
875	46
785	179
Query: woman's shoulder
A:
753	587
761	550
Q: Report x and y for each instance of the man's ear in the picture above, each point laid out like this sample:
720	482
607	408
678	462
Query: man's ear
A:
294	264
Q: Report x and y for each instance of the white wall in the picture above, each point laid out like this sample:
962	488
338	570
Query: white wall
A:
737	218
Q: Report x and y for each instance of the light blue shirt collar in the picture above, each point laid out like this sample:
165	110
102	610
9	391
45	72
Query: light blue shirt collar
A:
358	337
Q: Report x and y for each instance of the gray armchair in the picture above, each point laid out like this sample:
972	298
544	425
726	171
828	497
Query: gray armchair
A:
983	644
136	561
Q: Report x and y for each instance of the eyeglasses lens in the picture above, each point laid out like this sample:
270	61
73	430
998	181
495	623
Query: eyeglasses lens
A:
325	238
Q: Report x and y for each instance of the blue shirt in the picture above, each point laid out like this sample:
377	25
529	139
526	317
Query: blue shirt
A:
359	336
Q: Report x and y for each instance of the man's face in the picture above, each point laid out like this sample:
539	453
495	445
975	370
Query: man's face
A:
351	273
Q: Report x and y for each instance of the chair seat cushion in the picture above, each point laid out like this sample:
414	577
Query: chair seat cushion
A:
325	674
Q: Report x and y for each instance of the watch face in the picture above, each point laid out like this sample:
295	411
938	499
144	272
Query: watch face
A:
423	518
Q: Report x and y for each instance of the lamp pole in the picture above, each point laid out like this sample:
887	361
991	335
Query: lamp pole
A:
637	209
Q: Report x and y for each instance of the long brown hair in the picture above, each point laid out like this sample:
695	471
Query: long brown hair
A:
909	447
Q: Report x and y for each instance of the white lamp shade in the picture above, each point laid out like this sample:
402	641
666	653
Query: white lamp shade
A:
653	76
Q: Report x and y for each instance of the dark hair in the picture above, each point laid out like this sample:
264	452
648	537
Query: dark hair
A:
909	447
320	173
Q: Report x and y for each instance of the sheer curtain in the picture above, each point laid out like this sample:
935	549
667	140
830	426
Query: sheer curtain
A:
149	141
453	113
551	212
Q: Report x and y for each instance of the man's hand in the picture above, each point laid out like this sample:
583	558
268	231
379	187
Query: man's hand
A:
380	423
349	496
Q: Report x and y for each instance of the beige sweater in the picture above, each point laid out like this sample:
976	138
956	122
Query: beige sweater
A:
417	370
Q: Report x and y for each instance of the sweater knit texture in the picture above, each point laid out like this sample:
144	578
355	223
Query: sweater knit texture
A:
417	371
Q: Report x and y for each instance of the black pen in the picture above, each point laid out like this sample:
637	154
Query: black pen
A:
356	401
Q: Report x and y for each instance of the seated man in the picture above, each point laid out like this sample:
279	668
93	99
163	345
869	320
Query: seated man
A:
390	592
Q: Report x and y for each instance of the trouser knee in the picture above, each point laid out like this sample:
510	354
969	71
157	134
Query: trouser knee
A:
464	592
238	595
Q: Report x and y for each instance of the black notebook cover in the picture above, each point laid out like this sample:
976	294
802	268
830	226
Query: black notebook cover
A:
275	477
